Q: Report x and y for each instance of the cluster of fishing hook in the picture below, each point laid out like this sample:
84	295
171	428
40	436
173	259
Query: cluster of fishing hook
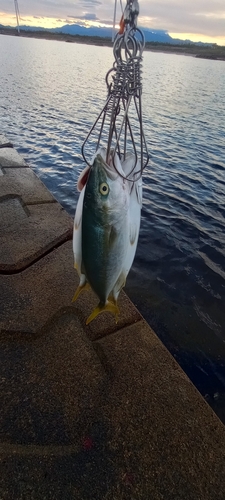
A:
119	125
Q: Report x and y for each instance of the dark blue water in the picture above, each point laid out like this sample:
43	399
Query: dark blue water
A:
50	95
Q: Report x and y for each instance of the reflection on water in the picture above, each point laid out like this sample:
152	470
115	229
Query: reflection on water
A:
50	95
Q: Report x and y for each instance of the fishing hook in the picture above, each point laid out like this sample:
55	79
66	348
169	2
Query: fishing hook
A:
119	124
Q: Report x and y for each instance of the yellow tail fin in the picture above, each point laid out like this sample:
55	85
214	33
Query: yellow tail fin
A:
109	306
79	289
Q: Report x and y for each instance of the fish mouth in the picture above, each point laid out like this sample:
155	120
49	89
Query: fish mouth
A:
113	167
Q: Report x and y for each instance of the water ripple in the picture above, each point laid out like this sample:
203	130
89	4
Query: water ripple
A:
50	95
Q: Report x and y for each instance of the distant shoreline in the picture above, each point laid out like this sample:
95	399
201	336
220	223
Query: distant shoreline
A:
215	52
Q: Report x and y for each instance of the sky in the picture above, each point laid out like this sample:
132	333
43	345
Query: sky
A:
196	20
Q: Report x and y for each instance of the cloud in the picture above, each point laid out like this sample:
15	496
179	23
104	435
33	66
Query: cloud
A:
192	17
90	2
69	21
178	16
106	21
90	17
87	17
75	20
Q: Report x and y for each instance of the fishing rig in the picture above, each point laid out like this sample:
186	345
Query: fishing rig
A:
119	126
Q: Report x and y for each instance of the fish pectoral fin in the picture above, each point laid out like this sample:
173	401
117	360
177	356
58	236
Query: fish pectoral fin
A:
109	306
138	189
84	285
133	233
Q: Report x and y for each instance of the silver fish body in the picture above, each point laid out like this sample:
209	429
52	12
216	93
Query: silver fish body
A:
106	229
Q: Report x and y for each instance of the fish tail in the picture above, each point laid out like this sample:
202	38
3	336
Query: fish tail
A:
84	285
108	306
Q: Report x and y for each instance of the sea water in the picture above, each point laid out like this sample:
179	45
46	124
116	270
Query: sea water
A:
51	92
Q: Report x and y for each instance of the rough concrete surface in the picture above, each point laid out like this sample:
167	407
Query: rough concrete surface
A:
97	412
4	143
27	232
24	183
105	420
10	158
46	289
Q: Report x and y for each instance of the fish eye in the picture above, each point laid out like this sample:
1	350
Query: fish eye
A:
104	188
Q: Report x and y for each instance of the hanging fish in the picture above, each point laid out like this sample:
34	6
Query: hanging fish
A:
106	228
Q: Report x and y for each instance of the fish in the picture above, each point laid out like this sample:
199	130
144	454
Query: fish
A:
106	228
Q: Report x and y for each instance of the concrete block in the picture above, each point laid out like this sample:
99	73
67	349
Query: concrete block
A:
170	443
114	420
4	143
28	233
97	412
48	384
24	183
10	158
46	289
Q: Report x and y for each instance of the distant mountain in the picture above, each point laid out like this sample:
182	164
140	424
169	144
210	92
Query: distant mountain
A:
75	29
158	36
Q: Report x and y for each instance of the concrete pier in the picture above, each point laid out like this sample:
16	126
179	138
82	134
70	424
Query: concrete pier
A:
98	412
